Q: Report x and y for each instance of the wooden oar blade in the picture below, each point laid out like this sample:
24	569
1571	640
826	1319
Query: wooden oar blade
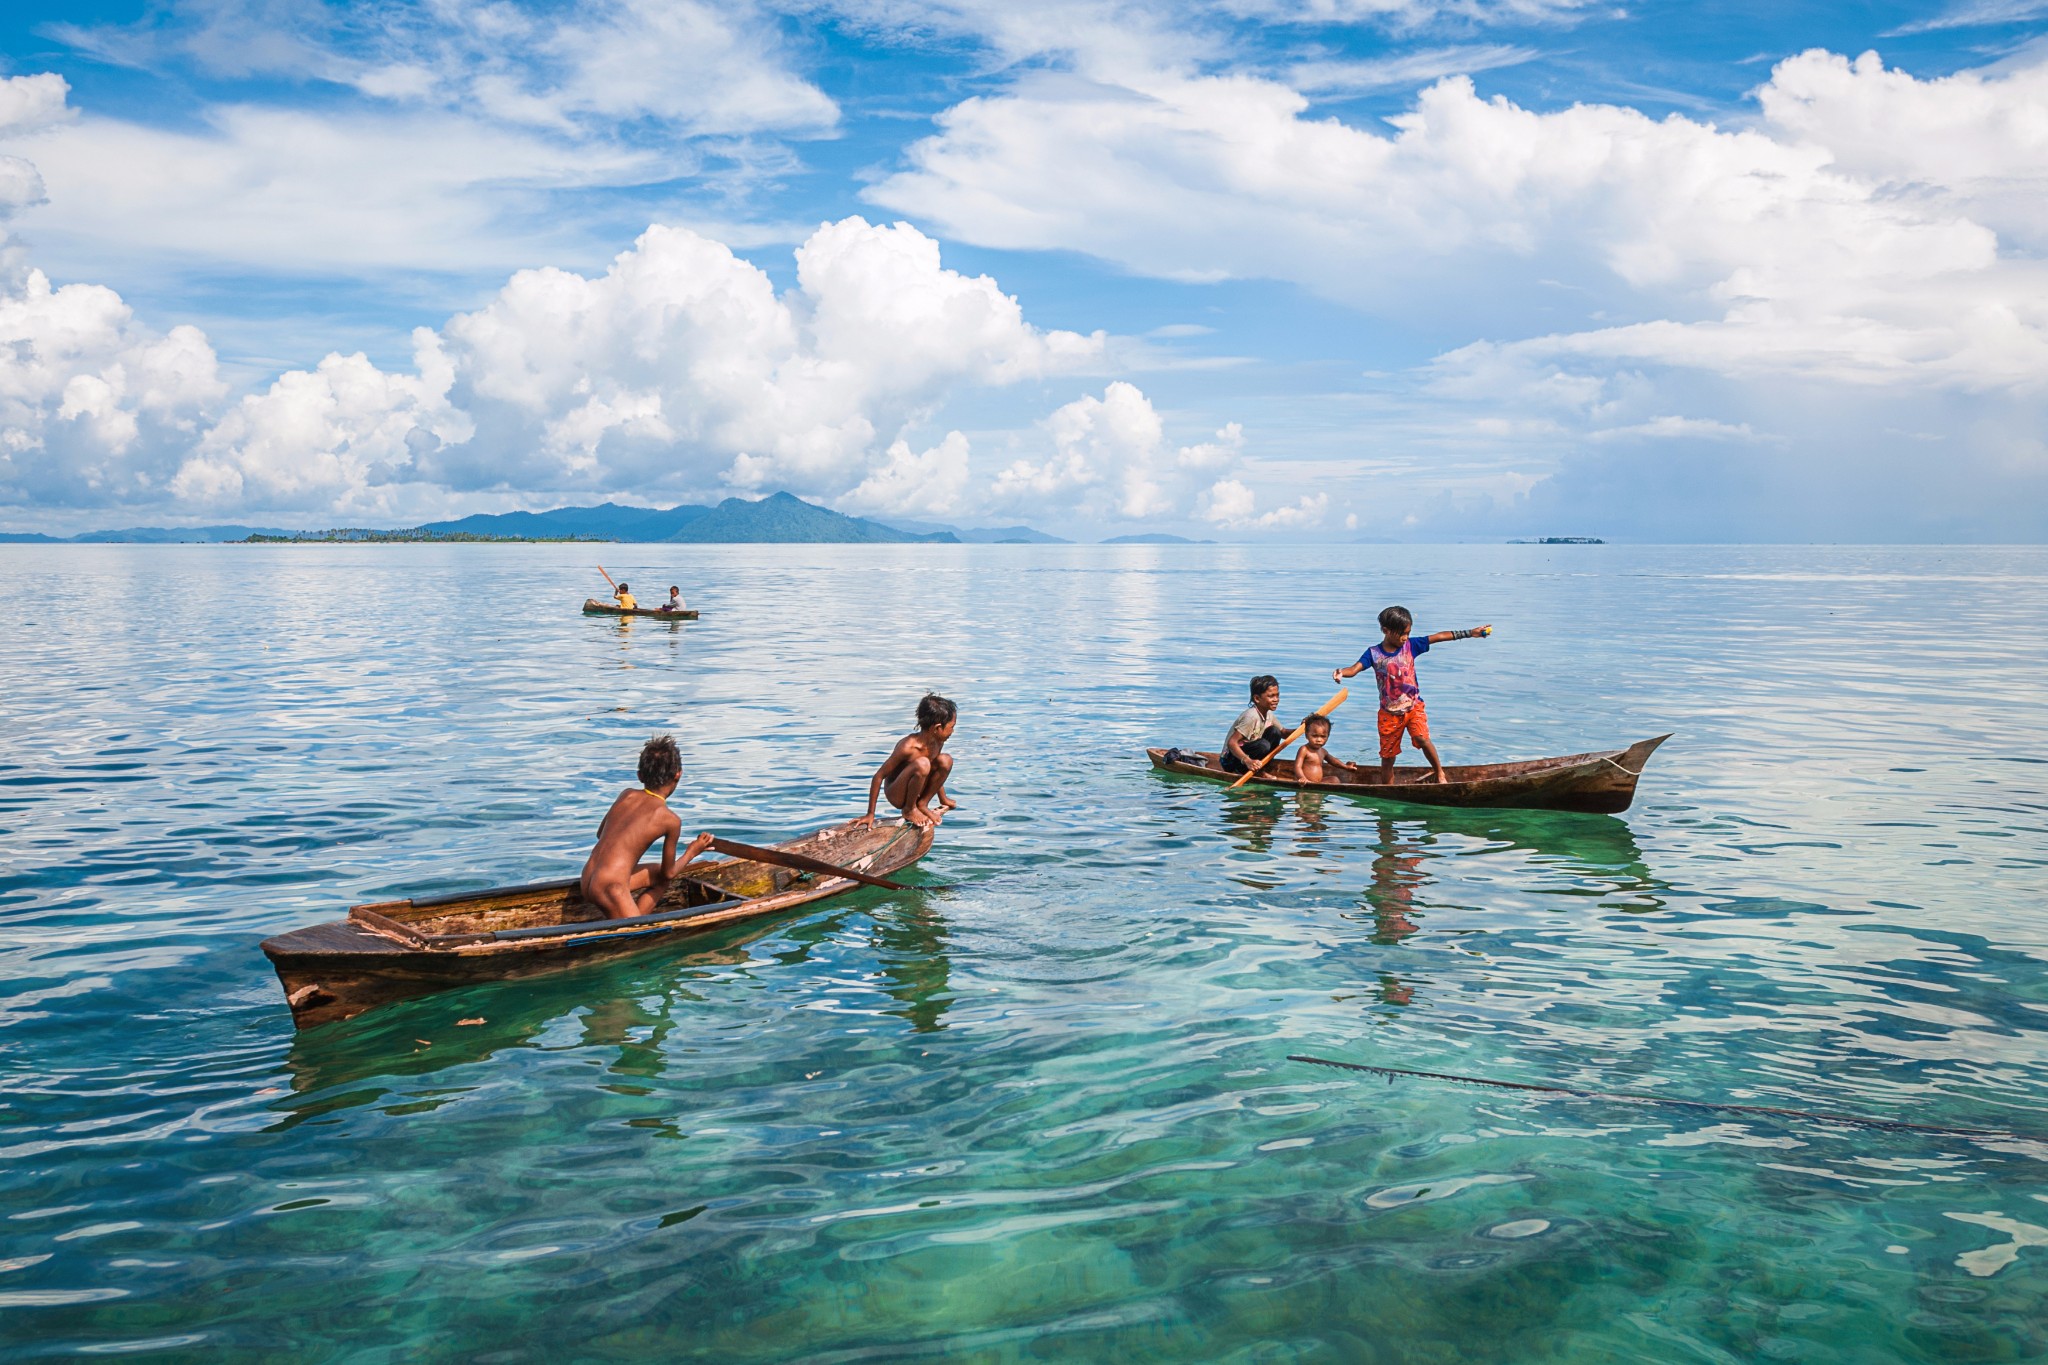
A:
781	857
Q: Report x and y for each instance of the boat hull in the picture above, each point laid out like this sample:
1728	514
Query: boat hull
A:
1602	783
394	950
593	607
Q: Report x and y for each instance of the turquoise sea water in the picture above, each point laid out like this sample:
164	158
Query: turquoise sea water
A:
1048	1114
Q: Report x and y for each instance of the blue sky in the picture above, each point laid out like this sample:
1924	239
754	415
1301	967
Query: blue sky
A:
1334	269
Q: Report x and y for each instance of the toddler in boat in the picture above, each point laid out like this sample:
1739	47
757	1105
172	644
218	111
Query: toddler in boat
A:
1314	762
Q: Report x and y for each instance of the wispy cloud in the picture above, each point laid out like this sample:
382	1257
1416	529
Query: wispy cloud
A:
1406	71
1977	14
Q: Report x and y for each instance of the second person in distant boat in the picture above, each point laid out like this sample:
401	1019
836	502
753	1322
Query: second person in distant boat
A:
675	599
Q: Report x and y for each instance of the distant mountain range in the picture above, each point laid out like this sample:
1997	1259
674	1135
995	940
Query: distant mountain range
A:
987	535
1155	538
145	535
780	519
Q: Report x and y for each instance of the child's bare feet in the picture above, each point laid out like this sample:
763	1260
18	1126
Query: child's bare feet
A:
919	816
948	802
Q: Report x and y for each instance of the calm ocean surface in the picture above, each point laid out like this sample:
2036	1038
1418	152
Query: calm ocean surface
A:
1047	1114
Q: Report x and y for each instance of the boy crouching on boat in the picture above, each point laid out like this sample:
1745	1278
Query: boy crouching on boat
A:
915	772
1392	661
613	879
1314	762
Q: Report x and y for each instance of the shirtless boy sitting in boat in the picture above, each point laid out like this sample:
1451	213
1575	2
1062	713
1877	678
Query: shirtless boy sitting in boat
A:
915	772
1314	762
613	879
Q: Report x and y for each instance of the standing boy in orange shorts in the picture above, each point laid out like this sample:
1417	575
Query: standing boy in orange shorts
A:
1392	661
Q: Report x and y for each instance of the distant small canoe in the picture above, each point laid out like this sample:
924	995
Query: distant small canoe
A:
1603	783
392	950
593	607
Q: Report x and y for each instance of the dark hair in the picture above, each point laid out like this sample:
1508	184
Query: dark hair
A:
673	588
623	588
1396	618
1262	682
660	764
1310	721
934	710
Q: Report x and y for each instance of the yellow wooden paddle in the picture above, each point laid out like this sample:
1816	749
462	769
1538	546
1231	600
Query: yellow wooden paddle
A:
1325	709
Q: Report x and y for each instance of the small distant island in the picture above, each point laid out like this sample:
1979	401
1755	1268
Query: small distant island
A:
1561	540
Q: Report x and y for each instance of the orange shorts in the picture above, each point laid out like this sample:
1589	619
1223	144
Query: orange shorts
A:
1414	722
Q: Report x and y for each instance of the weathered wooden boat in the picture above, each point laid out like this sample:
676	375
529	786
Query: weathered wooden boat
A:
1603	783
391	950
593	607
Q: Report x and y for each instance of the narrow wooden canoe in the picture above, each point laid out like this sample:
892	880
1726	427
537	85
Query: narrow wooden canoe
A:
593	607
390	950
1603	783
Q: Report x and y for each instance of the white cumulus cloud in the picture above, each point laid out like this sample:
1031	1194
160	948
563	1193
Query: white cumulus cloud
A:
1710	247
679	369
1111	461
1230	503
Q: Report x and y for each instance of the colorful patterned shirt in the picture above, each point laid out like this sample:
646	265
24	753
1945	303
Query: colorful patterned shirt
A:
1396	672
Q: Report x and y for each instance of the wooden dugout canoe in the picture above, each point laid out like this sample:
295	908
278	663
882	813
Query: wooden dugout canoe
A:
1603	783
593	607
391	950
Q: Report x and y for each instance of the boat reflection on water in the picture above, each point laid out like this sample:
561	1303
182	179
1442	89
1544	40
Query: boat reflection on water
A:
1402	853
1596	855
1251	817
631	1005
910	939
627	1003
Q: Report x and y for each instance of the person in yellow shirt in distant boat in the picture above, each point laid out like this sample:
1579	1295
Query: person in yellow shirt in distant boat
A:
625	599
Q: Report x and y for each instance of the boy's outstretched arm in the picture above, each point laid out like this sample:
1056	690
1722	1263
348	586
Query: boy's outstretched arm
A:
1476	633
1348	671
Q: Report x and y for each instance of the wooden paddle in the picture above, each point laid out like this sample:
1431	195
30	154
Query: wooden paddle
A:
608	578
1325	709
803	864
